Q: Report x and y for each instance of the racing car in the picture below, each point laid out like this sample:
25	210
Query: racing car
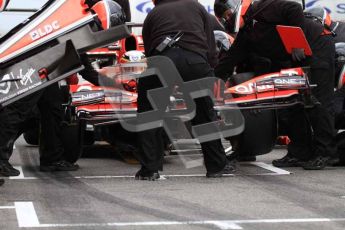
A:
94	108
97	110
257	96
262	94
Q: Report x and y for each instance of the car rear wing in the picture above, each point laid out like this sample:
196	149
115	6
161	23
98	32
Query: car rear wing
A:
3	4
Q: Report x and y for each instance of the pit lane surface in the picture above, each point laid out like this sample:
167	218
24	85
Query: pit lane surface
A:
104	195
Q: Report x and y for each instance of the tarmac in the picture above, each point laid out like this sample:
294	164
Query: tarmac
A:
104	195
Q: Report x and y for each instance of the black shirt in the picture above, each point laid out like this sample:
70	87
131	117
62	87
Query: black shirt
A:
170	16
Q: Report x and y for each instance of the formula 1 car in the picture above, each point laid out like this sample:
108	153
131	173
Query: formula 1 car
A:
45	48
258	98
101	108
262	94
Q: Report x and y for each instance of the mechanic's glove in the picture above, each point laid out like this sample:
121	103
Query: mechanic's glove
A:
297	54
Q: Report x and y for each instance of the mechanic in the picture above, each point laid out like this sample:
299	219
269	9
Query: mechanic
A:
312	136
320	15
337	28
192	55
13	120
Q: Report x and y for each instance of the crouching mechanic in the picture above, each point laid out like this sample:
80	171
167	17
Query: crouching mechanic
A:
13	120
314	145
337	29
192	55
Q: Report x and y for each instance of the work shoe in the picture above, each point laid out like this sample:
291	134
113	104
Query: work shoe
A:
146	175
229	168
316	163
2	181
287	161
6	169
59	166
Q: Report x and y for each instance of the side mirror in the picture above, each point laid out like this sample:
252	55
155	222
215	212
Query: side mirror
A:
3	4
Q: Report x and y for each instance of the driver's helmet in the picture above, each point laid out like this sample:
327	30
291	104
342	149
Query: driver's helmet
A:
109	13
230	12
131	63
320	14
221	6
132	56
3	4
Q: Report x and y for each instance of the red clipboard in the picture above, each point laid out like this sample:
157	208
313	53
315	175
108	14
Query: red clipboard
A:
293	37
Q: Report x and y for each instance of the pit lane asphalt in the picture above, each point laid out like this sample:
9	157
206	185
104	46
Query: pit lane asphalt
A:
104	195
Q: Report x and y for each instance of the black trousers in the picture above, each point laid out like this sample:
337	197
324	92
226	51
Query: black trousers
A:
312	131
339	107
191	66
13	122
51	147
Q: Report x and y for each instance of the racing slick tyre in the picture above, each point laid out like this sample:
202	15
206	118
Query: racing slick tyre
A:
241	77
124	142
71	136
88	137
260	133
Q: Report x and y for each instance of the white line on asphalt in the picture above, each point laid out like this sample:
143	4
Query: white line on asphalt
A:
298	220
26	215
221	224
27	218
275	172
132	177
7	207
21	175
120	177
279	171
225	225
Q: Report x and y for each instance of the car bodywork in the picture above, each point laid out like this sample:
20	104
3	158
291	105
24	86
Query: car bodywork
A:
45	48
